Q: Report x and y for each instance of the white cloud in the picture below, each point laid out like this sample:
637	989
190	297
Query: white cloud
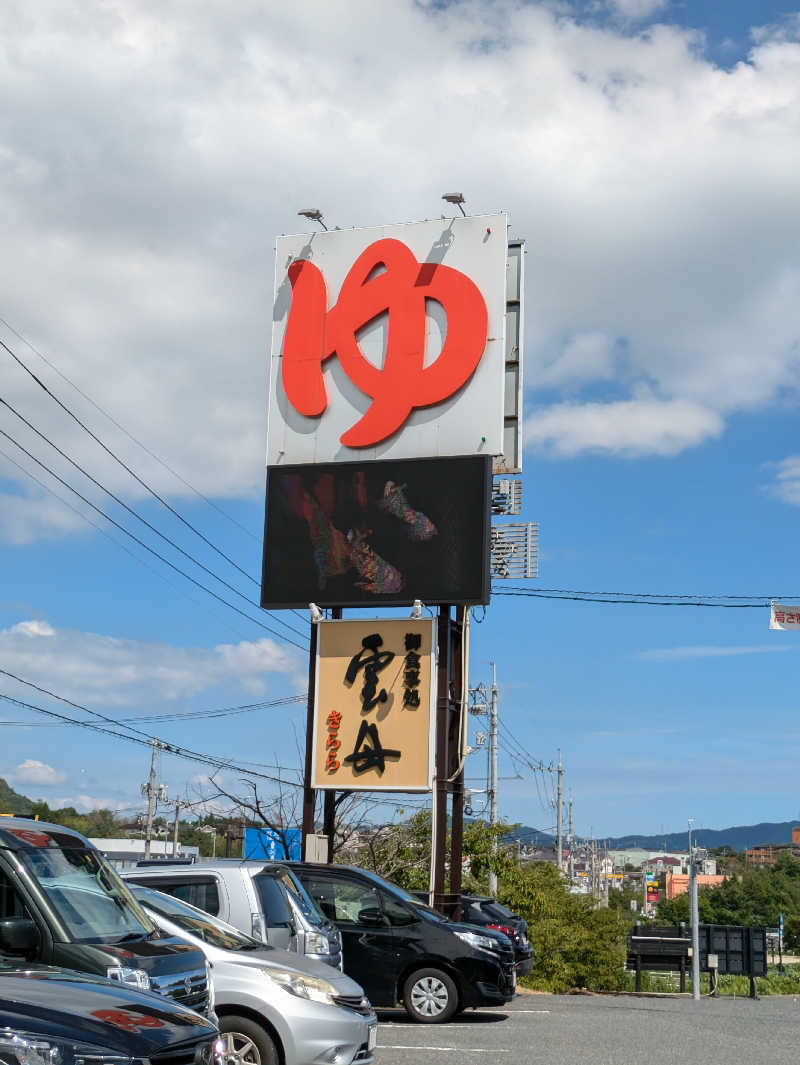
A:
86	803
638	9
32	771
150	155
583	358
33	628
787	480
673	654
627	428
96	669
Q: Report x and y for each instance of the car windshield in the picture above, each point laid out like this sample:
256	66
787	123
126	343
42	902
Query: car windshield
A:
211	930
84	893
497	909
301	898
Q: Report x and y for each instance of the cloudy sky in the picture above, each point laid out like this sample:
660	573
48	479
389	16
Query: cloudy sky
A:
648	151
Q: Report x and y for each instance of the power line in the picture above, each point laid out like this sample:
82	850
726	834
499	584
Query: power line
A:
219	712
141	738
121	428
113	539
145	740
642	599
135	514
147	547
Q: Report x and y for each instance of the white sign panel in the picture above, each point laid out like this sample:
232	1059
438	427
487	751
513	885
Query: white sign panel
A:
784	617
389	343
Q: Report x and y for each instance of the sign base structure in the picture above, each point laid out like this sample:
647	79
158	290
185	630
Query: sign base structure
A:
347	715
354	534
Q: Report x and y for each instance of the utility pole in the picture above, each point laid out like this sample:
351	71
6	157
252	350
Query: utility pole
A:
179	804
570	841
559	815
593	859
694	917
493	774
149	789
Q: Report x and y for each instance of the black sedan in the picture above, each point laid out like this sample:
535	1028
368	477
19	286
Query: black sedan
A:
57	1016
488	912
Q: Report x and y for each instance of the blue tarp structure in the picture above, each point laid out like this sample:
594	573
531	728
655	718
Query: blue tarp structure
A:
269	844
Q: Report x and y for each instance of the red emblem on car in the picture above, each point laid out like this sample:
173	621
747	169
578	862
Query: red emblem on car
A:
128	1020
314	334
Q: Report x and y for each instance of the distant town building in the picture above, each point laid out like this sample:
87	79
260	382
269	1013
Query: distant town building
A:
125	853
678	883
636	857
768	853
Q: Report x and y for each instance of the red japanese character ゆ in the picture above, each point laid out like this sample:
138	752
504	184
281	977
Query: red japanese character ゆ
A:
404	382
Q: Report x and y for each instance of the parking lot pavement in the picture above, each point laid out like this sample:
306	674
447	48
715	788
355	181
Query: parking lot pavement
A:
601	1030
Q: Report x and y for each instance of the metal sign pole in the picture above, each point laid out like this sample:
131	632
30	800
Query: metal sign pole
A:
309	795
440	783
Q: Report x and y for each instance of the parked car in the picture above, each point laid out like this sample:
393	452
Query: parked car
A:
48	1015
263	899
62	904
400	950
489	913
270	1002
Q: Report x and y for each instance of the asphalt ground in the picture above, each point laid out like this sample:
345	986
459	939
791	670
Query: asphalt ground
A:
602	1030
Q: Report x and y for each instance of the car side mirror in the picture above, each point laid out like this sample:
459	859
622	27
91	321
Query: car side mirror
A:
372	917
19	935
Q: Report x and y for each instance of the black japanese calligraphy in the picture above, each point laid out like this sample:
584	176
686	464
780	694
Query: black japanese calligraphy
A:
372	661
369	755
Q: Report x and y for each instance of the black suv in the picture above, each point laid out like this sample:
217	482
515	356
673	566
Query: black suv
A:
62	904
488	912
400	950
49	1015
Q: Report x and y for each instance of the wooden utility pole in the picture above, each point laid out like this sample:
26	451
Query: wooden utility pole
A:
560	815
493	774
150	790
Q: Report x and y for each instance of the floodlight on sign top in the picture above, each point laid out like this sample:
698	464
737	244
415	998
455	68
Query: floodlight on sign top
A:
314	214
458	199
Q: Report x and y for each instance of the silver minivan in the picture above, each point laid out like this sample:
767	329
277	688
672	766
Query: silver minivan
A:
273	1006
263	899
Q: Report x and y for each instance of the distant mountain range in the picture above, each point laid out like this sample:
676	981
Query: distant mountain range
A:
738	838
11	802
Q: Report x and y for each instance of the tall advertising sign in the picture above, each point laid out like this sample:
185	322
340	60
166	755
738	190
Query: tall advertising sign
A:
389	386
373	712
389	343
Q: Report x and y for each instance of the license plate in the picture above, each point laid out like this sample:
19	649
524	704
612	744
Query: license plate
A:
373	1037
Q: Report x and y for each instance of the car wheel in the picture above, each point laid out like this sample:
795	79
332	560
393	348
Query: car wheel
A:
247	1043
430	996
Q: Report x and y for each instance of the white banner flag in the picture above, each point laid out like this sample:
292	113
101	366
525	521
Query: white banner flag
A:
784	617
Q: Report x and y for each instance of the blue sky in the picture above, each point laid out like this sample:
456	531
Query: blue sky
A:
648	153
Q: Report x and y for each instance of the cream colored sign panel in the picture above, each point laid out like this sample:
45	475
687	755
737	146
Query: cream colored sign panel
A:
373	713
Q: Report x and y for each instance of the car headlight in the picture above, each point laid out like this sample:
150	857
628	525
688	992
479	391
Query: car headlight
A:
478	941
27	1048
135	977
310	987
317	943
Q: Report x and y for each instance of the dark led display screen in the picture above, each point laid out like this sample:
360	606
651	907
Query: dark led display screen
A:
352	534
